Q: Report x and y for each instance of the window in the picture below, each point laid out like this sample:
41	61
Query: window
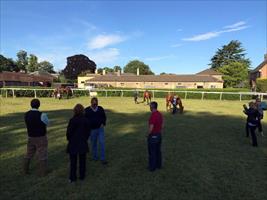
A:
166	83
136	83
122	84
82	81
179	83
151	83
200	86
212	86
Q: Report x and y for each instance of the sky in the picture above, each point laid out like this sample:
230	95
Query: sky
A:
170	36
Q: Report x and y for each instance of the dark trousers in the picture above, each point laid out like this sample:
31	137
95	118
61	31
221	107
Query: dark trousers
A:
247	130
253	135
154	152
73	166
174	108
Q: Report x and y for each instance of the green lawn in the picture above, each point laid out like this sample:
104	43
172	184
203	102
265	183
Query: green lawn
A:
205	154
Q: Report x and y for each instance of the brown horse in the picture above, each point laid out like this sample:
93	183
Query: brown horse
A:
147	97
169	99
61	92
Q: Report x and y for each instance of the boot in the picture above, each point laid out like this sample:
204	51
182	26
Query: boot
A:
26	165
42	168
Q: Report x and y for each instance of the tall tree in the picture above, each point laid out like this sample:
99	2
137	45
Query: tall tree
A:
77	64
46	66
132	66
7	64
22	60
32	63
116	68
234	73
232	52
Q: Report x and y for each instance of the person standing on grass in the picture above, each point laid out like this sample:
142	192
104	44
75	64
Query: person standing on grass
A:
154	138
36	123
97	117
135	97
77	135
252	121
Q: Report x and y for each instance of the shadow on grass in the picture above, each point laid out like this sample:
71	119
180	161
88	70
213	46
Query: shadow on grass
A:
205	156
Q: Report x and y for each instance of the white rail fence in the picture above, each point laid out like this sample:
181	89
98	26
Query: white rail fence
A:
37	93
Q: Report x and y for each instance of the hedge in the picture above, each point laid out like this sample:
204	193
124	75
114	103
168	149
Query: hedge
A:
262	85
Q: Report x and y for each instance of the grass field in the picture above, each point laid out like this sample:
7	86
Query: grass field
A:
205	154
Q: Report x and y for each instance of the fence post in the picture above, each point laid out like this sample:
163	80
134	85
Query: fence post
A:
35	96
153	93
6	93
240	97
13	93
221	96
202	97
185	95
121	93
106	93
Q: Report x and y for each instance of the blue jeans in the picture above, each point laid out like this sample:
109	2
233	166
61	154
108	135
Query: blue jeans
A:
97	135
154	152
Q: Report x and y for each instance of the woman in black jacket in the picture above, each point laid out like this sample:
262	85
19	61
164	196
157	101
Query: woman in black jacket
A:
252	121
77	135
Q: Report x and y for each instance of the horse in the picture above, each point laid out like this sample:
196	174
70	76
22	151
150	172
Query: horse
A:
147	97
169	99
61	92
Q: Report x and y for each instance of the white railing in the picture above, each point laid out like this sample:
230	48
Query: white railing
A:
13	92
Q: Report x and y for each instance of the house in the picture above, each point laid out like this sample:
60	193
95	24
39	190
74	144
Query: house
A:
259	72
205	79
23	79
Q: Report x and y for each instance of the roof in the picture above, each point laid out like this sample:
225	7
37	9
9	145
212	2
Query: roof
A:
23	77
209	72
259	67
155	78
43	73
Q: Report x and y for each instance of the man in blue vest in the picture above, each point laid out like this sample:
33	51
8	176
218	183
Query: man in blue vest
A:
36	123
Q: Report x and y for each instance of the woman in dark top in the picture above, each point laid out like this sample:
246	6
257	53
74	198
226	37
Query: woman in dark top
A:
252	121
77	135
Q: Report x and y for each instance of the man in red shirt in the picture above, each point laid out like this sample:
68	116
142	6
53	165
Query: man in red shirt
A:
154	138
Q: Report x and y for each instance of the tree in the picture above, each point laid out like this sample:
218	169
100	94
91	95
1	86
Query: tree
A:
22	60
132	66
234	73
7	64
107	69
46	66
116	68
232	52
32	63
77	64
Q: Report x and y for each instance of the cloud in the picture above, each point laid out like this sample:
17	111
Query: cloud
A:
157	58
105	56
101	41
227	29
179	30
237	24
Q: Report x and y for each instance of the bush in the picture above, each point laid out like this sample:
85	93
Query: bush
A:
262	85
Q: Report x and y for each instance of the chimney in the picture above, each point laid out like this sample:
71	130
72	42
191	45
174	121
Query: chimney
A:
118	72
96	72
137	71
265	56
104	72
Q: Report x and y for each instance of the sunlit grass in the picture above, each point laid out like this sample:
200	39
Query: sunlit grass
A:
205	154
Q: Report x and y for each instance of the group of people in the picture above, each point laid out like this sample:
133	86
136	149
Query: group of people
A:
86	125
173	102
254	116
